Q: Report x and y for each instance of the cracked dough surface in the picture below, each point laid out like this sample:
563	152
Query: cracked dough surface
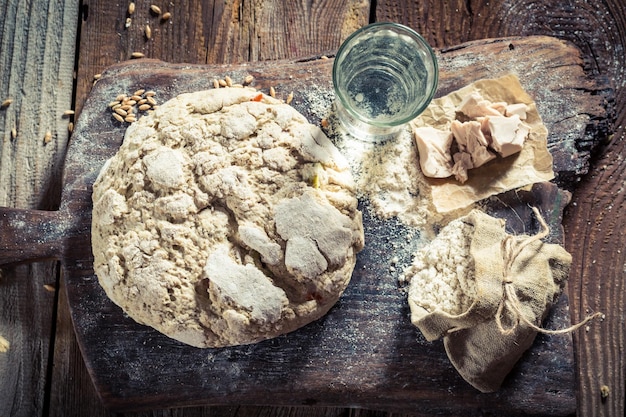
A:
224	221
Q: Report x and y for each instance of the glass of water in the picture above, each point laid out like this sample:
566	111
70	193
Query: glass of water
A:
384	75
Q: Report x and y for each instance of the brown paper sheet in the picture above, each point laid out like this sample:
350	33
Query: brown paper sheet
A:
533	164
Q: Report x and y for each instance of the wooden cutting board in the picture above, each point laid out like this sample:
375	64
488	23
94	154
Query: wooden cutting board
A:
365	352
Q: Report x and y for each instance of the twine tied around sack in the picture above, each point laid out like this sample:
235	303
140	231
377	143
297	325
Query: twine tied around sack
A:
512	247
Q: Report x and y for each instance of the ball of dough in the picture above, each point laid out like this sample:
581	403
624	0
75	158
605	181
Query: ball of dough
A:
223	220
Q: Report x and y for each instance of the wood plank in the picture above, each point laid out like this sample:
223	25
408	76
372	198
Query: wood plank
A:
595	224
37	41
26	322
595	220
264	360
72	391
36	71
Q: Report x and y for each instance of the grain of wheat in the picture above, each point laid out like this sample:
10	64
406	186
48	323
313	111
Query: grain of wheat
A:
68	113
124	106
166	16
248	79
136	55
47	137
70	127
216	84
155	9
129	21
131	8
229	81
6	103
4	345
222	83
13	133
148	32
289	98
273	92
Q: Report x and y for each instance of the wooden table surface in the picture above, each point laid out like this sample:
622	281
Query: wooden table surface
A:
50	52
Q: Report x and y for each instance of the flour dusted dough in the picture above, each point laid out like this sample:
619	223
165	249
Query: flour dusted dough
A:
223	220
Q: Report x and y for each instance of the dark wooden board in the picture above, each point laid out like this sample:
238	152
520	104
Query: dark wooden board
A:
364	352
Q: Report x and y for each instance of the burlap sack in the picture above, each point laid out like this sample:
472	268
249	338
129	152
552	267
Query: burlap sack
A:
516	280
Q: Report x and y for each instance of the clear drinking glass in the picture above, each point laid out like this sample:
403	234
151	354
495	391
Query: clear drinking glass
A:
384	75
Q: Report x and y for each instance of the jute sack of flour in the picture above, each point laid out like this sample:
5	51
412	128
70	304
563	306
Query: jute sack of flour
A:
486	293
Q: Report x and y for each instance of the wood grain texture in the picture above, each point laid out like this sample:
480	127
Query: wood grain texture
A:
26	321
36	67
37	41
595	221
28	235
72	392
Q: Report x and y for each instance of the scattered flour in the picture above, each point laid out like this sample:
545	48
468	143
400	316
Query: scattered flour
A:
388	176
442	274
395	197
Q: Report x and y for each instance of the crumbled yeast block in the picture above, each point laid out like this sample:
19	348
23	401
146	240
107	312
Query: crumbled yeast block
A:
433	146
495	128
462	164
473	150
474	105
507	134
517	108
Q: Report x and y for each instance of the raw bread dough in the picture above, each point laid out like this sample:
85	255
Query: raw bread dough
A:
224	220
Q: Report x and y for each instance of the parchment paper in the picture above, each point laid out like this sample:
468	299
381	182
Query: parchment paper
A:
533	164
